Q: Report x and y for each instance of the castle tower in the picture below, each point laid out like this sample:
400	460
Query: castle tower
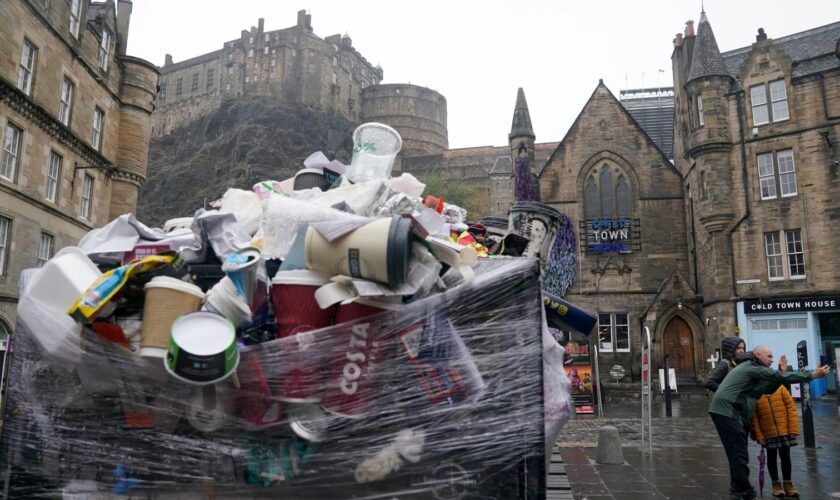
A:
704	156
137	95
521	137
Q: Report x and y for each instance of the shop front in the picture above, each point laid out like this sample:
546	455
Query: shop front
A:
781	323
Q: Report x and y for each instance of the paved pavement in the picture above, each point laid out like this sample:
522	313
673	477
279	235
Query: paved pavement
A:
688	461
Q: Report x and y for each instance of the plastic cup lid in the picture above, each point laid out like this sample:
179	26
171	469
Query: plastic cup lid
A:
174	284
301	277
309	422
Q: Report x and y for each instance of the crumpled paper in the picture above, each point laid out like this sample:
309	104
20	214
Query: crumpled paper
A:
407	445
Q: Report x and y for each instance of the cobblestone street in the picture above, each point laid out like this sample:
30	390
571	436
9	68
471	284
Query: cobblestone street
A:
688	461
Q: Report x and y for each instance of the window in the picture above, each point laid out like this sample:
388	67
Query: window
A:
250	52
11	150
230	70
96	133
194	82
179	86
45	248
614	332
66	101
267	37
5	235
778	110
792	251
777	179
87	196
251	41
104	47
780	324
54	177
27	66
162	93
606	193
273	62
700	110
75	17
265	51
778	100
210	75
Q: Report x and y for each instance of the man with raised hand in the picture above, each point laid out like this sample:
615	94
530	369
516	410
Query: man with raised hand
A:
732	407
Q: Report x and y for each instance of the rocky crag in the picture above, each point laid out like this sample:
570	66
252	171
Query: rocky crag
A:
246	140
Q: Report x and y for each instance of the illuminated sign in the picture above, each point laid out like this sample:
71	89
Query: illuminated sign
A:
605	235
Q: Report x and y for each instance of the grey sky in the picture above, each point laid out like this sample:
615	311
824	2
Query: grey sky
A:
477	53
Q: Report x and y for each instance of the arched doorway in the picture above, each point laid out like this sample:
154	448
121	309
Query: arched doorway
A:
678	342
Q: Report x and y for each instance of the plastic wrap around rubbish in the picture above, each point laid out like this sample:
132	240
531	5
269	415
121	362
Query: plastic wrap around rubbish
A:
441	397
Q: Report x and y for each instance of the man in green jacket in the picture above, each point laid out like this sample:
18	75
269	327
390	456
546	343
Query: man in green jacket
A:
732	407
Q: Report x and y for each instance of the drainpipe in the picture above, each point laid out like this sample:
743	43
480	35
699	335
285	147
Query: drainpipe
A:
745	182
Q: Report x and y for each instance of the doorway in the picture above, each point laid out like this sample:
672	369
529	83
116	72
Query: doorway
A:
679	345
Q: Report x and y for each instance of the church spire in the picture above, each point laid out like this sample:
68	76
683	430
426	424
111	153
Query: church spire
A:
521	126
706	59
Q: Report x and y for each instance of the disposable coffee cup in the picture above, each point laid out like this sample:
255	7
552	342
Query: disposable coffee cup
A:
378	251
224	300
241	267
362	342
166	299
375	147
202	349
539	223
297	375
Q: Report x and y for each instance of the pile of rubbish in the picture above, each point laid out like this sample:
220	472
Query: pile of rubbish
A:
334	332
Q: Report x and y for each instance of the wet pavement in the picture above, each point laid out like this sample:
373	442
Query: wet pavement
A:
688	461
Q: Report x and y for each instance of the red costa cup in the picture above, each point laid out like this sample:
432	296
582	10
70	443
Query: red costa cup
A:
352	389
298	366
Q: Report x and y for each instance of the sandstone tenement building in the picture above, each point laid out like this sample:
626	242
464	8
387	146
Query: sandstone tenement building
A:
756	142
75	122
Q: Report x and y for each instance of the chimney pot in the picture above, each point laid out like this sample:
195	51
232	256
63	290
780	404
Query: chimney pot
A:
679	40
689	28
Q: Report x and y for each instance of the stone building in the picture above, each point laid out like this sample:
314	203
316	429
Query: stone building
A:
756	140
626	201
291	64
75	122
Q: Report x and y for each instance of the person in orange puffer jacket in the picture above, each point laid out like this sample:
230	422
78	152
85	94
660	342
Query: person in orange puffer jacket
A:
775	425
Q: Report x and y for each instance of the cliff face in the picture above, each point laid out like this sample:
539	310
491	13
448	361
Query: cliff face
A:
245	141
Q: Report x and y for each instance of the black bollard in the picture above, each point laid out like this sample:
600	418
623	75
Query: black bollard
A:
667	385
805	397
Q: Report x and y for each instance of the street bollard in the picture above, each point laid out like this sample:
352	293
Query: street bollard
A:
609	446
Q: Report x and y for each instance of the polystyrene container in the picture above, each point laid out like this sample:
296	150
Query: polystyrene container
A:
63	279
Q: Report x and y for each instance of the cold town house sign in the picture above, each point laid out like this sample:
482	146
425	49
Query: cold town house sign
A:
761	305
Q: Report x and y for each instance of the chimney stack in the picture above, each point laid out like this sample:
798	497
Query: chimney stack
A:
123	20
260	25
689	28
168	61
761	36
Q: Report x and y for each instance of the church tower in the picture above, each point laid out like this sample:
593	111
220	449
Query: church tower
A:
521	138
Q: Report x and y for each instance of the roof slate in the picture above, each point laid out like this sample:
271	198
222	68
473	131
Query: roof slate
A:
811	51
502	166
706	60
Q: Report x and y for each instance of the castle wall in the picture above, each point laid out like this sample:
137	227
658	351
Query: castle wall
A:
291	64
417	113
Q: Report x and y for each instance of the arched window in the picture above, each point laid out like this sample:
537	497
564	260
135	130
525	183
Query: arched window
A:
606	193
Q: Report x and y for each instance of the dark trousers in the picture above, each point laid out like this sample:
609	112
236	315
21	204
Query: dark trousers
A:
784	454
734	438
